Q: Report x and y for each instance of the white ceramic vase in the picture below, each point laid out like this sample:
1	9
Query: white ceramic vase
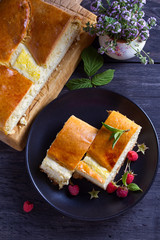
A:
123	50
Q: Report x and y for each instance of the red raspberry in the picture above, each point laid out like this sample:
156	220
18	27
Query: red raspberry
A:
130	178
111	187
132	156
73	189
27	206
122	192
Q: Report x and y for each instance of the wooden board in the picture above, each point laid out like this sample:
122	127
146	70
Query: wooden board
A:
58	78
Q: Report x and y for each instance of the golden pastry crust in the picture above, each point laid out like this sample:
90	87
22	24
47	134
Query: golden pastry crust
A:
47	25
13	87
14	19
101	149
72	142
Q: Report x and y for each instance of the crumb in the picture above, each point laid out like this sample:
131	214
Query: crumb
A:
12	132
78	38
23	121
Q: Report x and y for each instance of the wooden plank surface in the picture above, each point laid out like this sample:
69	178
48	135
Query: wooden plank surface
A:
142	222
133	81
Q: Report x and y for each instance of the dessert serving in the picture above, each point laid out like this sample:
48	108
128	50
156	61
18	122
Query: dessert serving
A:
69	147
103	161
81	197
91	153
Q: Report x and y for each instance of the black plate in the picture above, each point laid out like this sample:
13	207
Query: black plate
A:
89	105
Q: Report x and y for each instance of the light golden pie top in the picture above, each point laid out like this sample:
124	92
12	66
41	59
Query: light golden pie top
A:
101	149
72	142
46	27
13	87
14	19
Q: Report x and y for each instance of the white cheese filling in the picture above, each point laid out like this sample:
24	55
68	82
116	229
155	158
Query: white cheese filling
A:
23	62
56	172
19	111
103	172
95	167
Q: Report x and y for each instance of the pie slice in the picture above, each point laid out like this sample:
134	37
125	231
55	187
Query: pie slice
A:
15	92
14	20
102	161
69	147
51	33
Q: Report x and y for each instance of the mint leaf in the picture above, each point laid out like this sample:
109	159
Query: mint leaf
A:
112	129
103	78
77	83
124	178
116	138
92	60
133	187
116	133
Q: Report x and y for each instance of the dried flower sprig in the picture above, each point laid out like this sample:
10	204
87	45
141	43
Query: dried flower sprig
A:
121	19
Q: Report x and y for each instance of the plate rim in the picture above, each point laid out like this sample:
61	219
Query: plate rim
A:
63	211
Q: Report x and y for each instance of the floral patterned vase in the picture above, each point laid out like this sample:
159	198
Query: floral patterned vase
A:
123	50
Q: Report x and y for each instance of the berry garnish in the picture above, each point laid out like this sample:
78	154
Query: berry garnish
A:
132	156
73	189
130	178
111	187
27	206
122	192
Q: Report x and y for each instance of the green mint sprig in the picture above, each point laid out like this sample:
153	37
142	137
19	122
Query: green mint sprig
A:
116	133
92	63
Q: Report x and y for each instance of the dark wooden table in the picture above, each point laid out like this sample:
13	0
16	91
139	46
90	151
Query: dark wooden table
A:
132	79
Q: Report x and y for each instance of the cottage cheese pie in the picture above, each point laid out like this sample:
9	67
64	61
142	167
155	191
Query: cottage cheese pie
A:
102	162
35	36
69	147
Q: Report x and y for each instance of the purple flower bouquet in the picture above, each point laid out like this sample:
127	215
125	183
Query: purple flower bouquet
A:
122	21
